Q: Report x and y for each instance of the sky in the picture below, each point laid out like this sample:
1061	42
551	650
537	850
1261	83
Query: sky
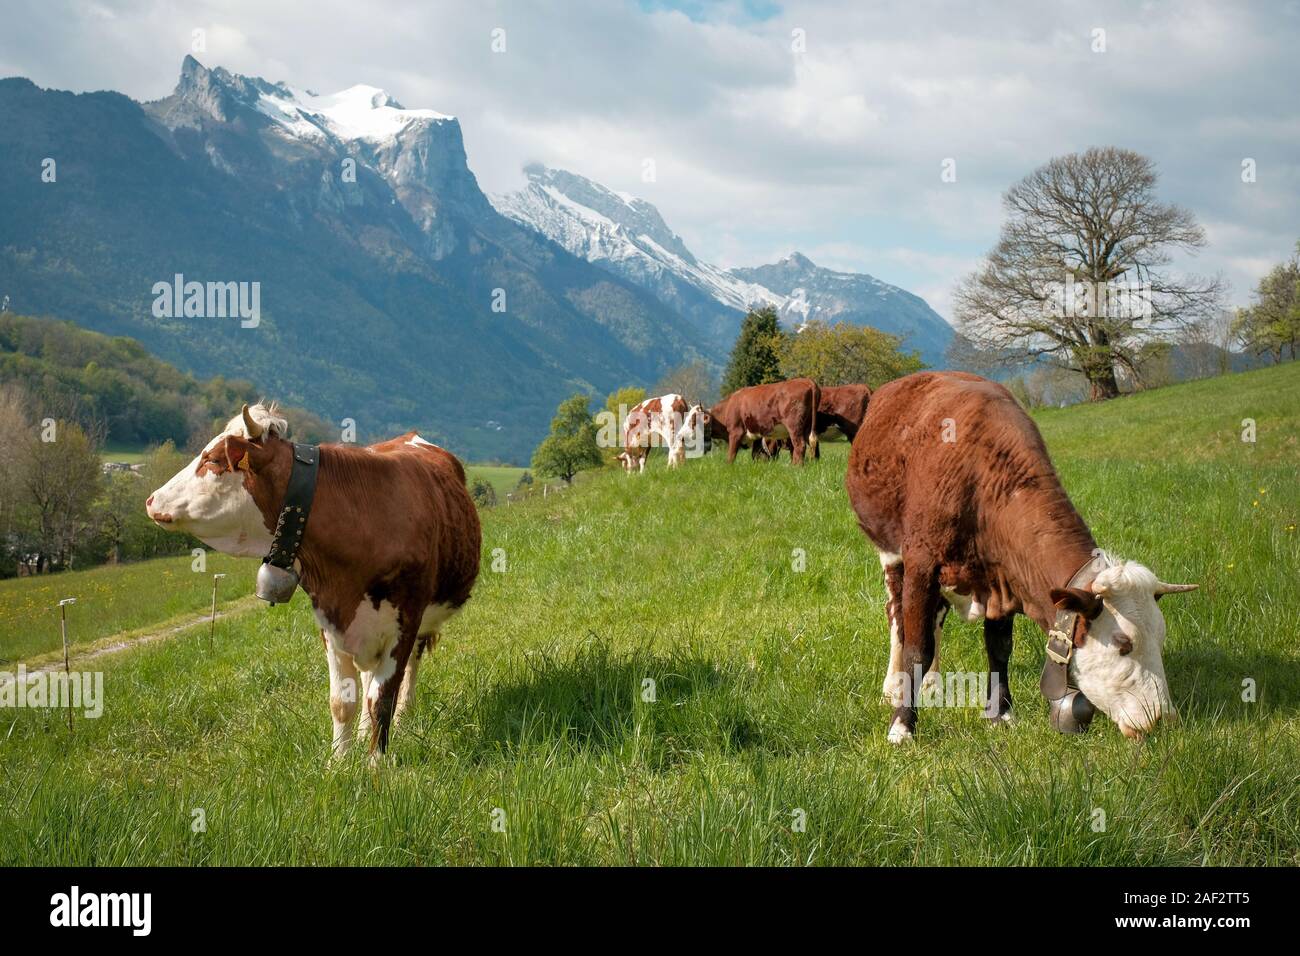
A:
759	127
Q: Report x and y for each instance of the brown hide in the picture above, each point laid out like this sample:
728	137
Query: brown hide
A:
842	407
950	473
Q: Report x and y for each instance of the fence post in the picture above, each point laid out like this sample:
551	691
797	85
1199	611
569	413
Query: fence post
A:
67	670
212	628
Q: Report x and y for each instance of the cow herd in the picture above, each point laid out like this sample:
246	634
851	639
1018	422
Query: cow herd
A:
948	477
794	415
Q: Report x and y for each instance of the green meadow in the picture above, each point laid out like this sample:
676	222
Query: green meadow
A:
684	668
502	478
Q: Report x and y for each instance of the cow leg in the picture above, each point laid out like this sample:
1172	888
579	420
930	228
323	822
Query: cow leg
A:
406	696
796	447
932	675
892	566
344	695
997	644
733	445
920	606
386	682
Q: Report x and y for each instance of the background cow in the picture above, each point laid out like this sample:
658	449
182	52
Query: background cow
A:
390	550
952	483
666	421
841	410
777	411
839	414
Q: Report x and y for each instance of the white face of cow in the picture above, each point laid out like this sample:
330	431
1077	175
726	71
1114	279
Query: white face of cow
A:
1120	666
695	431
209	500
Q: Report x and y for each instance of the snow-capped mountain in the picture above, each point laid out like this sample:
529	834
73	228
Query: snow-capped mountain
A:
601	225
419	153
628	237
391	291
808	292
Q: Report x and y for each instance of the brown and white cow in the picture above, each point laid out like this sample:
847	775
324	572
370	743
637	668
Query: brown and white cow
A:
777	411
668	422
952	483
390	550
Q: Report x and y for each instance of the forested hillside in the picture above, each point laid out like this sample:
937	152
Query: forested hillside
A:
67	372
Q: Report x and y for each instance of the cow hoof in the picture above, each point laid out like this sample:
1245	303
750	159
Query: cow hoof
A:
931	683
898	732
1004	719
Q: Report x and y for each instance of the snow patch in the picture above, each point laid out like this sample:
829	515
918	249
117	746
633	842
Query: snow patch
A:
358	113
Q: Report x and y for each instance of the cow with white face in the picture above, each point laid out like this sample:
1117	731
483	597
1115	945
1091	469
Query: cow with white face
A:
208	500
979	524
668	422
388	553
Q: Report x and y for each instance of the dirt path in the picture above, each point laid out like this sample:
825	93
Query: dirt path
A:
112	645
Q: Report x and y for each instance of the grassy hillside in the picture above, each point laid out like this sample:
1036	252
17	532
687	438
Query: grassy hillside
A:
766	708
502	478
112	600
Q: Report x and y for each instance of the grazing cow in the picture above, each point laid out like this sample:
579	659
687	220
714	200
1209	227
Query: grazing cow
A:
389	550
769	449
666	421
841	410
777	411
952	483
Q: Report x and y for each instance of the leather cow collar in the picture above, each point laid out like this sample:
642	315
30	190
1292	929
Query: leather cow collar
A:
276	579
1071	709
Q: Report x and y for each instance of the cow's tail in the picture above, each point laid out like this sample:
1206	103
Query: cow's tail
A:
812	420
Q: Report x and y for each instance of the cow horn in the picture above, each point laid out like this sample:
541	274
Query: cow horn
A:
1162	588
254	430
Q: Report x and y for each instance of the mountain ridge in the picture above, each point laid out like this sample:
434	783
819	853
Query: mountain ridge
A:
379	289
627	236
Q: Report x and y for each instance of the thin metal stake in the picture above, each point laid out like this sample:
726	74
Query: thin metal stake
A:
212	629
67	670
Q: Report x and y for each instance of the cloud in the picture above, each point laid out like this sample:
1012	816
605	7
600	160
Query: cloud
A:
760	143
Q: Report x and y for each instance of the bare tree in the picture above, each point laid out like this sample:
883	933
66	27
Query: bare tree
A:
1079	270
1206	346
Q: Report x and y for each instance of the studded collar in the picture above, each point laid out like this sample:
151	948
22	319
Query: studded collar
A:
291	524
